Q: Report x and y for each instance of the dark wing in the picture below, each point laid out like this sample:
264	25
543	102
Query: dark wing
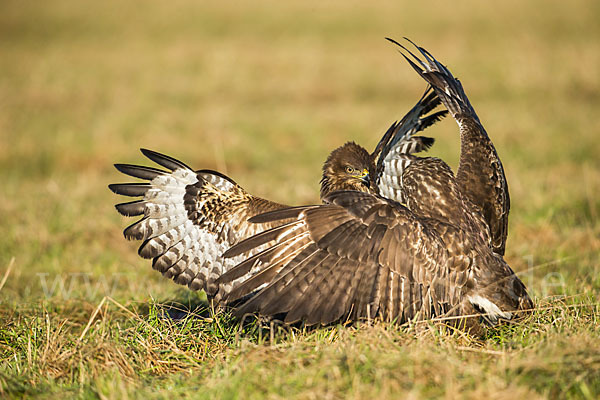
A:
400	140
480	173
189	219
359	256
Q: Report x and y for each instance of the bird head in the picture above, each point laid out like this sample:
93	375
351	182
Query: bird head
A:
348	167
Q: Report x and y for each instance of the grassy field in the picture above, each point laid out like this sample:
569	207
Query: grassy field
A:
263	91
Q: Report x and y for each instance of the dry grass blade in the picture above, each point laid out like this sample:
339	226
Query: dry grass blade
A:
92	318
171	344
7	273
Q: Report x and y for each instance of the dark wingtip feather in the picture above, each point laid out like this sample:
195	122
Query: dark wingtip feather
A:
147	251
419	69
134	231
216	173
131	208
427	142
448	88
433	118
393	41
385	139
129	189
430	59
430	100
138	171
408	51
164	160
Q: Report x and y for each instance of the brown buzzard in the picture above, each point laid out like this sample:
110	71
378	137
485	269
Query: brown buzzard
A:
398	237
190	218
433	250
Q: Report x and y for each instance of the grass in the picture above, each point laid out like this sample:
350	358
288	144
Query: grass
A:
263	91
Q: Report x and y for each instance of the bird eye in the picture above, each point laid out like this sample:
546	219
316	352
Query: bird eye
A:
349	170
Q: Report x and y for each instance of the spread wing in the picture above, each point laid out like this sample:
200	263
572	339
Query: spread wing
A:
399	140
188	219
480	173
359	256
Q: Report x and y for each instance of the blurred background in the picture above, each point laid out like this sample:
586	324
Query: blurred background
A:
263	91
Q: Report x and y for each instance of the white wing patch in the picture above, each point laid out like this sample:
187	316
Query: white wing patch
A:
183	227
390	180
190	254
492	310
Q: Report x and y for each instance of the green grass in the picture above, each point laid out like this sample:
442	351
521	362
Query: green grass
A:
263	91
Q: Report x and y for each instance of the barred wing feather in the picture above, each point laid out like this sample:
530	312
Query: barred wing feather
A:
480	172
399	141
189	219
357	257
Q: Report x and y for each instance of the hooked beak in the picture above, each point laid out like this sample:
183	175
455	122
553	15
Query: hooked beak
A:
364	177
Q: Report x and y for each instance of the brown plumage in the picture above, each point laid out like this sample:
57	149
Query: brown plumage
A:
351	167
480	173
361	255
398	237
348	167
190	218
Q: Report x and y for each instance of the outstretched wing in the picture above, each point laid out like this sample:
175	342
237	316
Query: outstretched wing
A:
359	256
399	140
480	173
189	219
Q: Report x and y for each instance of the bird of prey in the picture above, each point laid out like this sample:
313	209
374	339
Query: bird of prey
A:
397	237
190	218
430	245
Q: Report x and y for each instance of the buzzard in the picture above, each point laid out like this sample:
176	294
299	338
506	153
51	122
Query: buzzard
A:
397	237
432	247
190	218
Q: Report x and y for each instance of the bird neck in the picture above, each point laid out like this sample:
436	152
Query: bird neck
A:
326	186
332	183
